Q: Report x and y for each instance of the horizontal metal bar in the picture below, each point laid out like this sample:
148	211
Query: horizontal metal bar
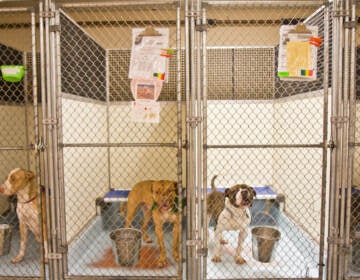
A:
116	145
263	146
304	3
18	148
113	3
13	10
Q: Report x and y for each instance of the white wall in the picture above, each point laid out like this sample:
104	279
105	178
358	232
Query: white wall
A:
295	172
85	168
132	164
240	122
298	171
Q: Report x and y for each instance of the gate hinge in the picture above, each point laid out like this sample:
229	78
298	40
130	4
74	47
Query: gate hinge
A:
339	121
54	256
193	242
51	122
202	252
194	121
55	28
350	24
341	13
63	249
47	14
201	27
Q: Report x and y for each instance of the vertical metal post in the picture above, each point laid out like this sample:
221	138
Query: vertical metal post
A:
324	139
343	98
61	250
350	25
335	133
204	144
36	129
179	129
108	118
51	123
198	137
192	265
189	183
44	101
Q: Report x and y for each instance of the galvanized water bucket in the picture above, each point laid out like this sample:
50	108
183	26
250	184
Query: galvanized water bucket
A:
5	239
264	242
126	246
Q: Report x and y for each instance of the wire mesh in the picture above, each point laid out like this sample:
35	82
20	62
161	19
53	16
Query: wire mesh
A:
104	149
261	130
18	139
265	132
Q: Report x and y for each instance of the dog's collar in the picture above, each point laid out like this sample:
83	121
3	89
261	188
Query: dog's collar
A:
28	201
232	213
175	207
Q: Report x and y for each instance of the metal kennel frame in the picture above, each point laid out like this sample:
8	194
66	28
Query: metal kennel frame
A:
299	138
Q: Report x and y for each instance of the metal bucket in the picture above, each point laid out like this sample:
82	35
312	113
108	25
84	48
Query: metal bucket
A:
264	242
126	246
5	239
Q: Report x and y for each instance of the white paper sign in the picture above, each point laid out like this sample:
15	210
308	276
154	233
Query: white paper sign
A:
146	59
145	111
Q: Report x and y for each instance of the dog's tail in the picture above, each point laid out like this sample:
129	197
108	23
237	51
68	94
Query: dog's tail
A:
213	183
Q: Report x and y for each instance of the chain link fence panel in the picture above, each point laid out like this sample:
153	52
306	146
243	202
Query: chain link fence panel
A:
265	132
105	151
18	138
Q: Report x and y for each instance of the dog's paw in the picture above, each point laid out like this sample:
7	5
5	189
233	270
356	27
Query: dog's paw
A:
216	259
223	241
17	259
239	260
161	262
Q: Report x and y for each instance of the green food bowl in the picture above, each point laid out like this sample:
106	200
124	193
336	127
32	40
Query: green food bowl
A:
12	73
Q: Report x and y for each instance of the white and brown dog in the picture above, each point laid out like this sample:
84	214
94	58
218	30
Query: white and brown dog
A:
22	183
234	216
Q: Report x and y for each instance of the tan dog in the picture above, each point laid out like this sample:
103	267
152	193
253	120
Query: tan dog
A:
159	200
234	216
22	183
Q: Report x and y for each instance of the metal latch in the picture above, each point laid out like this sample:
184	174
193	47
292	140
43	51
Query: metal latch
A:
40	146
331	145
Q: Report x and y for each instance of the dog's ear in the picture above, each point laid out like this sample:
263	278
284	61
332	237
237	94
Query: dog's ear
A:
253	191
29	174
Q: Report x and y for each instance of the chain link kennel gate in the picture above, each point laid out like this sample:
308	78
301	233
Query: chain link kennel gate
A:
262	131
20	131
102	150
